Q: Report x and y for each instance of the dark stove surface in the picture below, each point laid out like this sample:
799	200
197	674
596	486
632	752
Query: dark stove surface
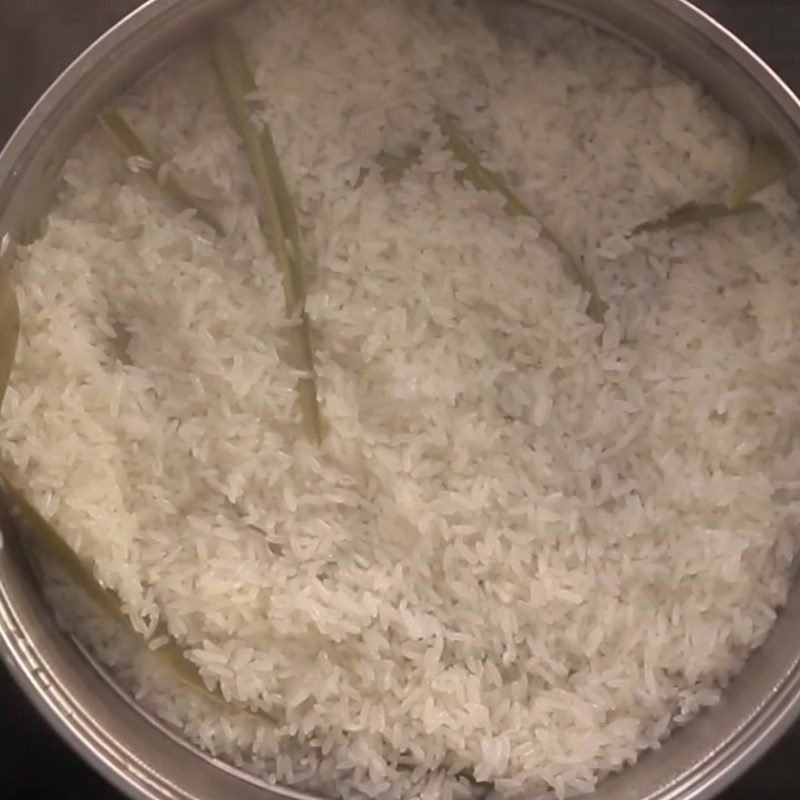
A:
37	39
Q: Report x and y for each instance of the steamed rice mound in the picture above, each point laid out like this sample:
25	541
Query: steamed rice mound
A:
530	544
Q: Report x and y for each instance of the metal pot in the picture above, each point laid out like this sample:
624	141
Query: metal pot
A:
141	756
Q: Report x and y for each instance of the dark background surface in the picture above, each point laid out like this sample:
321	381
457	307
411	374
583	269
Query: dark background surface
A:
37	39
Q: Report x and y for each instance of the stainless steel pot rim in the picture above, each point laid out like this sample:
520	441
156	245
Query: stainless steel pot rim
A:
93	738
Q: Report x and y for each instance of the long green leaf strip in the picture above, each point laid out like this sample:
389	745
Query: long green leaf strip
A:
695	214
39	534
768	162
47	543
278	218
484	178
9	330
132	145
